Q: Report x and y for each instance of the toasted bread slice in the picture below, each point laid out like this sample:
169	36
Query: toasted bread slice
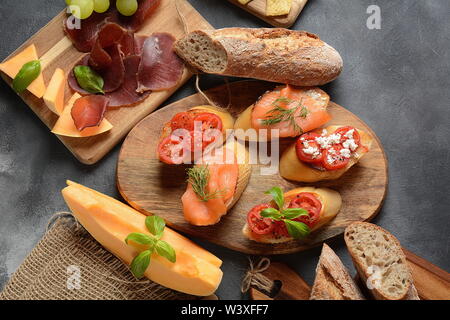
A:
333	281
373	248
331	204
292	168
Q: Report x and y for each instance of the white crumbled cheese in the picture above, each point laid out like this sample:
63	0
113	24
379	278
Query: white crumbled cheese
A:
306	144
350	144
312	151
324	132
330	159
334	138
350	133
346	153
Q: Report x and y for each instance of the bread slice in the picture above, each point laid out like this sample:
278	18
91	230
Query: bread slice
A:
274	54
372	247
333	281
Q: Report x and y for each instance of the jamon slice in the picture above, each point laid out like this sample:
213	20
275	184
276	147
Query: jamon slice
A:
160	67
126	95
89	111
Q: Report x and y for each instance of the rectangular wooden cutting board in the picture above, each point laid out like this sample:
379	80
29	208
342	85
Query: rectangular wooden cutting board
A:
56	51
258	8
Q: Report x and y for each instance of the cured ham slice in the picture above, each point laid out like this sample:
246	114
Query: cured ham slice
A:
84	38
160	67
110	34
126	95
89	111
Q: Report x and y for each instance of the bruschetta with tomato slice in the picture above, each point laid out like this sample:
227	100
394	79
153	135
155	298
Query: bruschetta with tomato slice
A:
292	215
193	133
216	184
324	154
288	109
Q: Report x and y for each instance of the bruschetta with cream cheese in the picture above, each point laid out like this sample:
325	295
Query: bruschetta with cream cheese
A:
193	133
324	155
289	110
292	215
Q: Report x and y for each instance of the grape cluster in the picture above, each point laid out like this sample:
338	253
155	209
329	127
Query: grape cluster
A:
82	9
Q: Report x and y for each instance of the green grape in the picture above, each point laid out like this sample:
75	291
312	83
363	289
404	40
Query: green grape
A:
86	7
101	6
127	7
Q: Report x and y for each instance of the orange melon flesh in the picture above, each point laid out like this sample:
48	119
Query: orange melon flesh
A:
66	127
13	66
196	271
54	95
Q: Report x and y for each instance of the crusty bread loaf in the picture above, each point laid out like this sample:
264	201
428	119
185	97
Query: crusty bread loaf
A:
274	54
333	281
371	246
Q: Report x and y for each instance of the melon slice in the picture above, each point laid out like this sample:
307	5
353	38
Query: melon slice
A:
66	127
54	95
13	66
196	271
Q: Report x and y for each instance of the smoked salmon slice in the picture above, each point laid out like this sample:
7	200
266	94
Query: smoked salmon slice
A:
291	110
208	207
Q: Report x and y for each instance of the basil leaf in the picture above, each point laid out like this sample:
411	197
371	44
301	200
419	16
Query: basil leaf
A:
277	195
140	263
292	213
271	213
155	225
88	79
297	229
26	75
165	250
140	238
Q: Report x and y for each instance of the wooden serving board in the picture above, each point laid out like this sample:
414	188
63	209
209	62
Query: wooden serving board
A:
156	188
431	282
258	8
56	51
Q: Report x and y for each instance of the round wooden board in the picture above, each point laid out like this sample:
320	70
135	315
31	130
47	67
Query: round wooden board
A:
155	188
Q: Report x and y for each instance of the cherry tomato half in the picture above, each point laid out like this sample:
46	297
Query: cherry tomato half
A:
338	162
343	131
307	157
210	127
309	202
182	120
258	224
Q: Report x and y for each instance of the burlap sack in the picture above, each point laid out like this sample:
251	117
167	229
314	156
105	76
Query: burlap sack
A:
68	264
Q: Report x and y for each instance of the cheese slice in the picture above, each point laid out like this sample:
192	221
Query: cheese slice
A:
54	95
13	66
196	271
278	7
66	127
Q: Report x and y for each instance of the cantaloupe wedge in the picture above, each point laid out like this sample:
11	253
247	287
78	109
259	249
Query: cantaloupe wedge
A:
54	94
196	271
13	66
64	126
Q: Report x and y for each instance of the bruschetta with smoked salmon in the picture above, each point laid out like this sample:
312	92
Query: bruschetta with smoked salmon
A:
324	154
190	134
292	215
215	184
288	109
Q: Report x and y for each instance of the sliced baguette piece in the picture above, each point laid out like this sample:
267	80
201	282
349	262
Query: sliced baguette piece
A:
274	54
372	246
333	281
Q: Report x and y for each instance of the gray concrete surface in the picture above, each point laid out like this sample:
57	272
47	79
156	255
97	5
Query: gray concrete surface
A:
396	79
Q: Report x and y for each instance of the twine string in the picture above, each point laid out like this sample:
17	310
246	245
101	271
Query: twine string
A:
255	278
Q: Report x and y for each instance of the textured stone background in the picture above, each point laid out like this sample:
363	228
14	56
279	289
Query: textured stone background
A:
396	79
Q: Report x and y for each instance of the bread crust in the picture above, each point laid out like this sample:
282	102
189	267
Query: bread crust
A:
333	281
274	54
409	292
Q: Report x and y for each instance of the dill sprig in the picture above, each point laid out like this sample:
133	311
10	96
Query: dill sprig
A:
198	177
279	114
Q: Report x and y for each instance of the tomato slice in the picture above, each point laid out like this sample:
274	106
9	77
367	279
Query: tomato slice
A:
210	126
311	152
182	120
337	160
171	150
343	131
309	202
258	224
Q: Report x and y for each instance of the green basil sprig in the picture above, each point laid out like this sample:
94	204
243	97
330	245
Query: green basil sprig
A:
88	79
296	229
26	75
153	242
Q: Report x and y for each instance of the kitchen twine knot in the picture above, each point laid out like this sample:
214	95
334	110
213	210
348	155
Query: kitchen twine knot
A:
255	278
